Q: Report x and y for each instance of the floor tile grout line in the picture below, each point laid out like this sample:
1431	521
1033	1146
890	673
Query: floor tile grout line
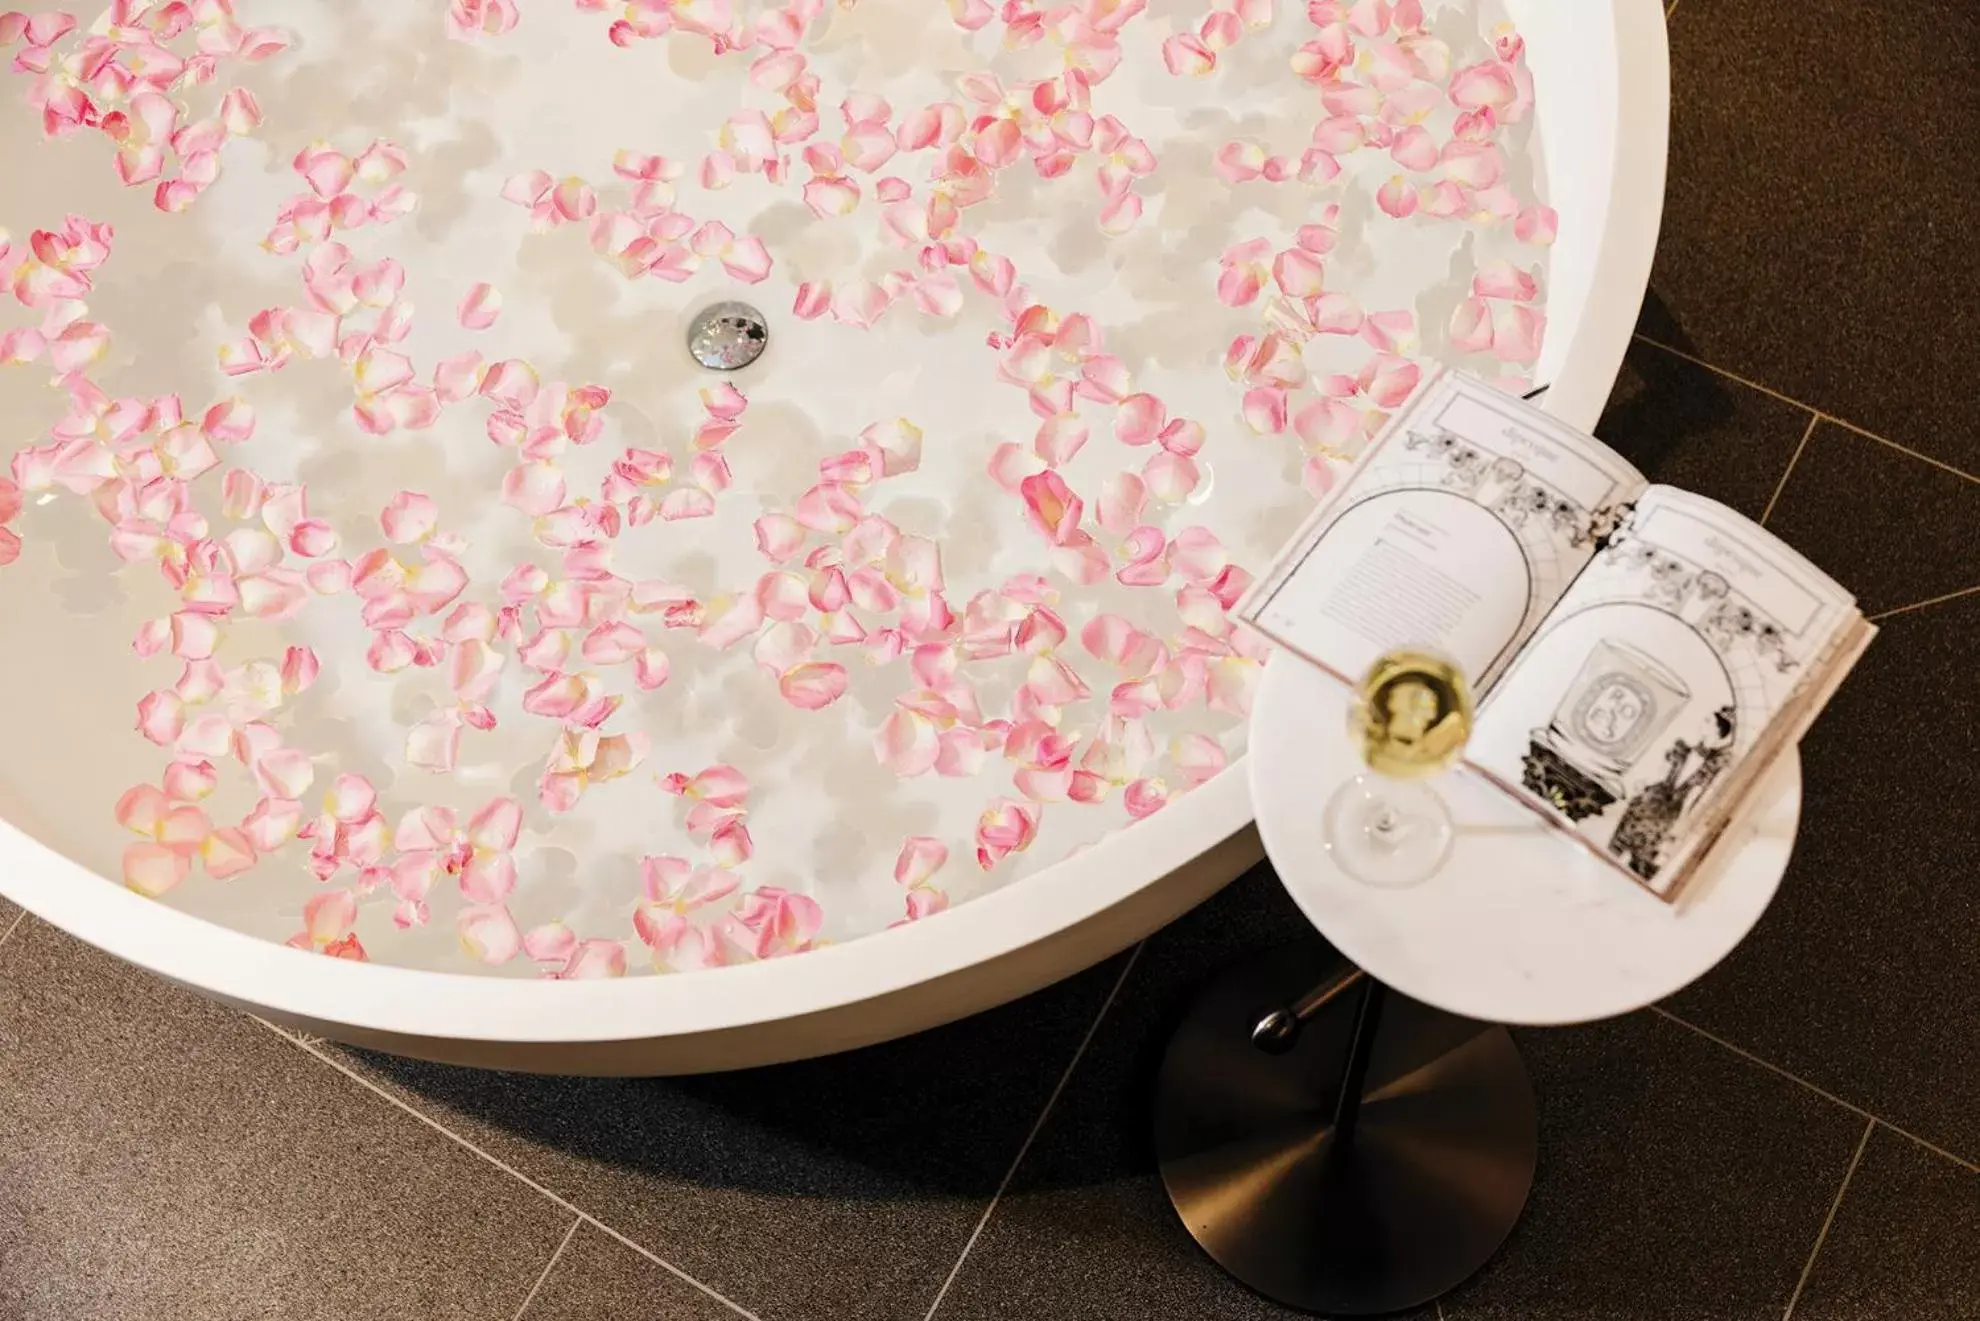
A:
1735	377
1905	450
666	1265
1024	1149
1772	393
276	1028
1788	471
514	1173
311	1048
1822	1092
1920	605
1822	1237
548	1266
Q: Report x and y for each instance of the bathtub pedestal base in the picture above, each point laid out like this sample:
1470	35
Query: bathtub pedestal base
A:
1337	1148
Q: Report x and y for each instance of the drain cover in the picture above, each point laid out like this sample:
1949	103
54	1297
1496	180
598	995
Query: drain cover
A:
728	336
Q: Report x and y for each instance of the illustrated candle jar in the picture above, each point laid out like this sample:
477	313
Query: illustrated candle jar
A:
1619	703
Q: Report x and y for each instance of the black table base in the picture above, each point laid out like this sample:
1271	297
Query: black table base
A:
1335	1147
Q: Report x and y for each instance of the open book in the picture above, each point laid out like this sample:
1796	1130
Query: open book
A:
1639	654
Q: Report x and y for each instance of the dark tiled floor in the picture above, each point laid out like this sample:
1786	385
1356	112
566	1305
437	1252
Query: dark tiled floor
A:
1817	230
1905	1243
835	1188
1085	1231
160	1157
598	1278
1685	425
1675	1180
1863	976
1892	530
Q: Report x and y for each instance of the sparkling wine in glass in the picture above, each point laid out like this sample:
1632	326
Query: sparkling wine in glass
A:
1411	718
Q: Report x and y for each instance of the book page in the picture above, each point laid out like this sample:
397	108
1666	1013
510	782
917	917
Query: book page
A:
1670	664
1458	530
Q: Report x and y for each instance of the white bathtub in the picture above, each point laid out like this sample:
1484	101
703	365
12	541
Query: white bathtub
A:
1601	72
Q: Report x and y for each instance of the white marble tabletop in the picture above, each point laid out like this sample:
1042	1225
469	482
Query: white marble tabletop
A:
1522	924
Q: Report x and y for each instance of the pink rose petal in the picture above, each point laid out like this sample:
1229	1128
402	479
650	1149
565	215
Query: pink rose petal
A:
480	307
920	858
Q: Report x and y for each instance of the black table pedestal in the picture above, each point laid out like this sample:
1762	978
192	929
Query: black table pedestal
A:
1337	1148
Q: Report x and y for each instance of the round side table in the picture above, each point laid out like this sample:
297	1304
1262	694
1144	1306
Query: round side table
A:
1360	1137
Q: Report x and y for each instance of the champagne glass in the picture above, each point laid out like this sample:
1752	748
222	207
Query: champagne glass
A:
1410	720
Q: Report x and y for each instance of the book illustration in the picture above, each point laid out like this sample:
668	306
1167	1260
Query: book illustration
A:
1702	596
1731	622
1605	525
1513	494
1610	717
1501	484
1621	700
1651	820
1464	465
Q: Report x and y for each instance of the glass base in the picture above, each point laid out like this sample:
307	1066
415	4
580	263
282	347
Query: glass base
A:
1387	832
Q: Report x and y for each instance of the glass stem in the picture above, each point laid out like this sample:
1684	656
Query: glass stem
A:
1387	823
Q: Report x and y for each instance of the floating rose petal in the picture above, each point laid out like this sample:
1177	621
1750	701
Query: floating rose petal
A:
771	921
920	858
1170	478
1186	55
1007	826
489	934
1389	380
1120	213
907	743
1148	565
730	844
480	307
1197	554
1199	757
1059	439
1265	410
1317	477
1050	507
1517	332
1502	279
152	869
1327	426
552	942
1053	683
409	517
227	853
719	786
1145	798
1489	83
1122	499
1298	273
923	902
594	959
434	744
1238	162
1471	326
1537	225
813	685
